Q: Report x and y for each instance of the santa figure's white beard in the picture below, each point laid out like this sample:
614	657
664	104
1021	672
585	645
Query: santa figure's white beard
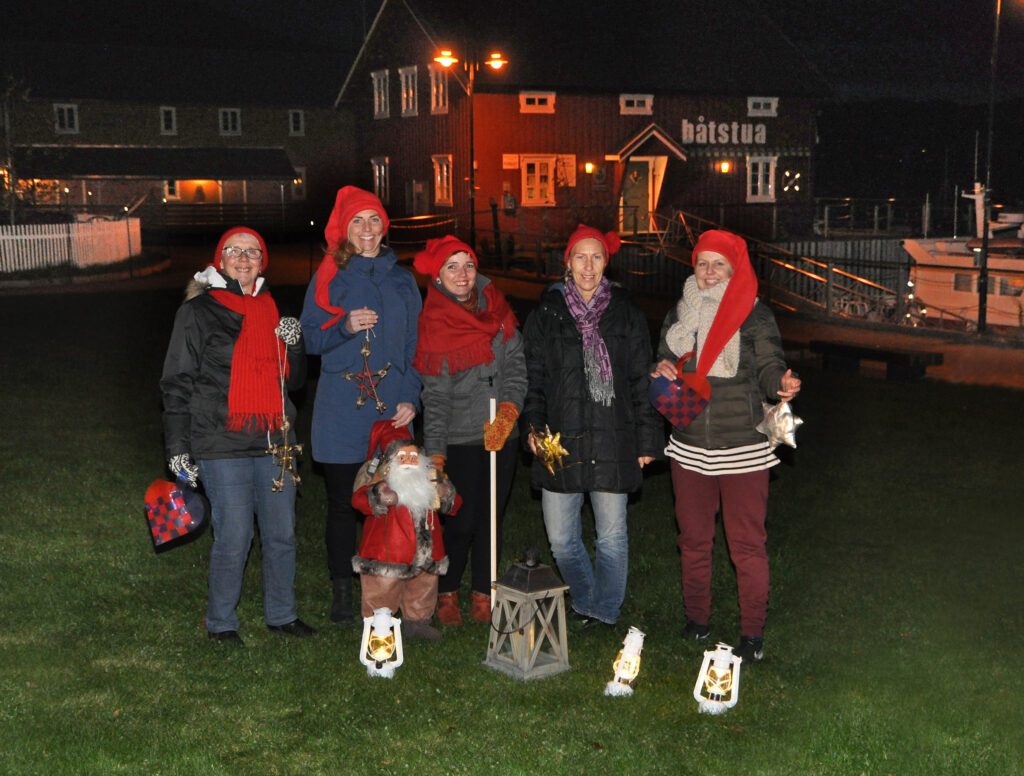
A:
412	485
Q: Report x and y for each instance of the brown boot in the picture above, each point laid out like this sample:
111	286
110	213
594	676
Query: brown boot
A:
448	609
480	607
420	629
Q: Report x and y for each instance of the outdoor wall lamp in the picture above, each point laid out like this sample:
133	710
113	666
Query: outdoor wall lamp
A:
725	166
380	649
718	684
627	664
588	168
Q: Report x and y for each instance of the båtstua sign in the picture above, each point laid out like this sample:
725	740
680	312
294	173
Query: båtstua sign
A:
703	132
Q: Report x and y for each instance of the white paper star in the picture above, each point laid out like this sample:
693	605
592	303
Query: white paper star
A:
779	424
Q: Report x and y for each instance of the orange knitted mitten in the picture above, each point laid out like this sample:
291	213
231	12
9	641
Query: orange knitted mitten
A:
497	432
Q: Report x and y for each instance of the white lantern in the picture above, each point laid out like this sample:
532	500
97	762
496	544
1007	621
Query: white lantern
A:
718	685
528	622
380	649
627	664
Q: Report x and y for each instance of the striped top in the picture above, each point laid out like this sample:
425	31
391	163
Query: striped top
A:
730	460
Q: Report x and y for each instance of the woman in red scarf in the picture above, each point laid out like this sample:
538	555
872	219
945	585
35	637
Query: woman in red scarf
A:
720	456
469	351
223	397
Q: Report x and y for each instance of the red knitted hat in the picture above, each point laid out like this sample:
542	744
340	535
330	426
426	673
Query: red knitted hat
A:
739	297
438	250
382	434
347	204
231	233
610	241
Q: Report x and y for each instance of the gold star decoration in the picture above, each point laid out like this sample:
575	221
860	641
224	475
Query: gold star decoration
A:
779	424
549	449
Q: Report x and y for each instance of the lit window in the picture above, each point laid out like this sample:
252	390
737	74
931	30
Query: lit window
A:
442	179
1011	287
963	282
296	123
168	120
65	118
299	185
171	190
762	106
230	121
408	77
381	109
636	104
538	179
381	178
536	102
761	178
438	89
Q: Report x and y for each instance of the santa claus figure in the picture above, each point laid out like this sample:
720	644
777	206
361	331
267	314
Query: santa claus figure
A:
402	553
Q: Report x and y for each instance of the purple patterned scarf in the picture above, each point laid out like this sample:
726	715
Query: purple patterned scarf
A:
596	362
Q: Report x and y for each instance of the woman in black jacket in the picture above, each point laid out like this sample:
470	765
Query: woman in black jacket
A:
224	402
588	354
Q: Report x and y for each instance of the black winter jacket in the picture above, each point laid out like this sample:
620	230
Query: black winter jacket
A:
196	376
603	442
735	408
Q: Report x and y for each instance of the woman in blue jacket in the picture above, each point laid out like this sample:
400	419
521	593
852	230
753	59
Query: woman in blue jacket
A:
359	298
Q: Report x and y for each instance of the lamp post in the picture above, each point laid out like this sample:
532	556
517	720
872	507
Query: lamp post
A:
987	193
495	61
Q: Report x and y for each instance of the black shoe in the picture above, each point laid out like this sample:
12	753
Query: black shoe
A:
592	623
294	628
231	636
694	631
341	605
751	649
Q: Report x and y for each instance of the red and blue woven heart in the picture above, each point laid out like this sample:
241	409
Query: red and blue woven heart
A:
680	400
172	514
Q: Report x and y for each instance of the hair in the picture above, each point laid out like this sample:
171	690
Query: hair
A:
472	302
342	254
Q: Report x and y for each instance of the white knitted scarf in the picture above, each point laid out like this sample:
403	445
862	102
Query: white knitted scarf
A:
696	312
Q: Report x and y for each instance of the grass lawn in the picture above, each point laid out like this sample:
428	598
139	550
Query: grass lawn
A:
895	536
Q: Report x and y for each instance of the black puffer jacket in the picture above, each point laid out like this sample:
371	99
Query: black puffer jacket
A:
196	376
603	442
735	408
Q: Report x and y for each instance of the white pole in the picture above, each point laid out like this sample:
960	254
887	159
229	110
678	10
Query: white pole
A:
494	513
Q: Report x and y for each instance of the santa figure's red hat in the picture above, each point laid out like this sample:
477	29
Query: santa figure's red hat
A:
383	434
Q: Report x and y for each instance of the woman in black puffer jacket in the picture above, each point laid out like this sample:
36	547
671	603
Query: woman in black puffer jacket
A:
587	358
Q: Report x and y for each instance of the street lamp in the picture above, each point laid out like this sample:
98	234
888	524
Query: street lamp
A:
496	62
987	193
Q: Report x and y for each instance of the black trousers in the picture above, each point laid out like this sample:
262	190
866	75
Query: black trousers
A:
340	531
469	532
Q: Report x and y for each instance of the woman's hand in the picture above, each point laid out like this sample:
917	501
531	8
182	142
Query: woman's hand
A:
643	460
790	386
360	320
404	413
532	442
666	369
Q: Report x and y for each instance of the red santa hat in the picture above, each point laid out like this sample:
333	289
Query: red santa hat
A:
350	201
610	241
739	297
383	434
224	238
437	251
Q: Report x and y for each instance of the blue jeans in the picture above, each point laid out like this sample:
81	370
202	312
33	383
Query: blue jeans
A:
238	488
597	590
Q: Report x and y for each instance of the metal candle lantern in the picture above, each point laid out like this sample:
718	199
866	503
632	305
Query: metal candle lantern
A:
380	649
528	622
627	664
718	685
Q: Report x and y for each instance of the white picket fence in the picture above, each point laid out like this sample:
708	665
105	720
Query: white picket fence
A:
80	245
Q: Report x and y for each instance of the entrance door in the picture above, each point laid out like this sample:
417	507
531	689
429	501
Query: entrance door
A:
635	205
416	198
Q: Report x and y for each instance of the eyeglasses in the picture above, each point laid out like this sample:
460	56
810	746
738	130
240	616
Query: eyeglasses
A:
233	252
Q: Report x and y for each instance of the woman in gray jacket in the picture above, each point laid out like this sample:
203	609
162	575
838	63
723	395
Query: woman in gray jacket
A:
469	351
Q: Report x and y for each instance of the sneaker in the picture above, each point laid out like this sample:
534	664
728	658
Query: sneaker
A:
694	631
751	649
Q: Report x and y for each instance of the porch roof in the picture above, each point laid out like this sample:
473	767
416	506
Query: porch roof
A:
152	162
634	143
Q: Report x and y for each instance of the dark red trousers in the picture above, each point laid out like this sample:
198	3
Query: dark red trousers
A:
744	502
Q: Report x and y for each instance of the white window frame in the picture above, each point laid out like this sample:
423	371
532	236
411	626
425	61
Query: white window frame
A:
296	128
381	178
229	121
171	190
762	106
438	89
761	178
381	96
298	190
636	104
165	111
408	77
537	102
538	198
65	118
442	179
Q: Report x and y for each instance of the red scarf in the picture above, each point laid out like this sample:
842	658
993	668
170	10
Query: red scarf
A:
254	395
449	332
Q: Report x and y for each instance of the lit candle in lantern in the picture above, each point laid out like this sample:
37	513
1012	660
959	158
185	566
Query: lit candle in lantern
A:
718	685
381	645
627	664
